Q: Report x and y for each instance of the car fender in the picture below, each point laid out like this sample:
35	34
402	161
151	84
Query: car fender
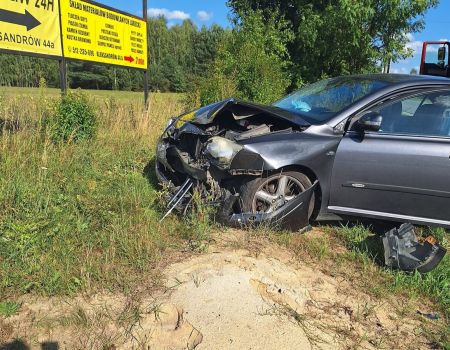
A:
274	152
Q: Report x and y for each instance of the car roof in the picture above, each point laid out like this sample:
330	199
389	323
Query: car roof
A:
401	79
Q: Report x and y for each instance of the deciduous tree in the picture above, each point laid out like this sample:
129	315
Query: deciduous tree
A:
343	36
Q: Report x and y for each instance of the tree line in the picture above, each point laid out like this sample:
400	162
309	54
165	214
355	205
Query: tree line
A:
177	56
272	46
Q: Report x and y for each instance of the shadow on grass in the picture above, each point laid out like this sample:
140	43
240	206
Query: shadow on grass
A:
365	236
9	126
149	173
21	345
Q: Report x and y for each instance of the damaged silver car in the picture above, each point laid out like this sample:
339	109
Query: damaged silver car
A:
375	146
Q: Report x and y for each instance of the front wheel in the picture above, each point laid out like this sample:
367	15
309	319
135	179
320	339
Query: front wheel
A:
266	195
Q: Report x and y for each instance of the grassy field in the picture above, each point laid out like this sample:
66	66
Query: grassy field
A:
82	217
99	95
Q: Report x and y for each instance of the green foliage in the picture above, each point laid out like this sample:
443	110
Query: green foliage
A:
27	71
343	36
9	308
322	38
181	54
251	62
83	216
73	120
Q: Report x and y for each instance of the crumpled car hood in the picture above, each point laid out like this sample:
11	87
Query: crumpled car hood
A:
207	114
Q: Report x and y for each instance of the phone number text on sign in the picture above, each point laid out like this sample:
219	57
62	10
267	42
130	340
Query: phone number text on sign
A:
84	52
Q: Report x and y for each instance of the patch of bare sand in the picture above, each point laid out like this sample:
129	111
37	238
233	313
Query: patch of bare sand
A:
260	297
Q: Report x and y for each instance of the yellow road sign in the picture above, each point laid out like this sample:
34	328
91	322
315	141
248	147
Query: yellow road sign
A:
30	26
94	33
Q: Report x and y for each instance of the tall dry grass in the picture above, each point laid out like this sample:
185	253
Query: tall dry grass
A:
81	216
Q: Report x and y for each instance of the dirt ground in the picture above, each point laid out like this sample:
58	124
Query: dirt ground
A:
231	297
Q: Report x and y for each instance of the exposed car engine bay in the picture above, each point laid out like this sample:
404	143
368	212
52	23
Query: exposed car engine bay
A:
213	139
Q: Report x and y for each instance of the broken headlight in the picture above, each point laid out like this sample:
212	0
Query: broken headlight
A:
222	150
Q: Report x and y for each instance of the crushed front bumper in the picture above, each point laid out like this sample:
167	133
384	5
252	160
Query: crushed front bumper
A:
173	166
175	171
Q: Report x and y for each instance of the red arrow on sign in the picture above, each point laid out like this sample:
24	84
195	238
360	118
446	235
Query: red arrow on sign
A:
129	59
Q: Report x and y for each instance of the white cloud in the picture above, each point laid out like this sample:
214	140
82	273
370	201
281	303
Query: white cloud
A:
413	44
404	69
170	15
204	16
400	70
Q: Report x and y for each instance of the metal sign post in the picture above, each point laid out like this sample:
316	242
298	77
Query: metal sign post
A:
145	17
62	75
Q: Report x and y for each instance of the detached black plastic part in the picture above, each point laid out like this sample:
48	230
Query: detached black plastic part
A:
292	216
403	251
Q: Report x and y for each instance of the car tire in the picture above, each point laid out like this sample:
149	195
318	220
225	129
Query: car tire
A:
250	189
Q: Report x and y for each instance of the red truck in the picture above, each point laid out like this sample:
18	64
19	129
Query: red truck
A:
435	58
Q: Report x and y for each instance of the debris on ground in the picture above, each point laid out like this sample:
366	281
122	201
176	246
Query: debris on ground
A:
404	251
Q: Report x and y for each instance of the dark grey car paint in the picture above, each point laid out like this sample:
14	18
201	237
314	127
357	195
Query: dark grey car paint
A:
313	152
393	174
372	175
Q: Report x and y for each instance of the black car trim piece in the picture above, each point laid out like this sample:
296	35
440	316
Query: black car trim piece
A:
393	188
404	251
194	172
389	216
402	136
292	216
425	137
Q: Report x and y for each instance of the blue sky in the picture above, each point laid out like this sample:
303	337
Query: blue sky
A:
207	12
201	12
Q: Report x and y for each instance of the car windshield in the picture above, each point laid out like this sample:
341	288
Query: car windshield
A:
319	102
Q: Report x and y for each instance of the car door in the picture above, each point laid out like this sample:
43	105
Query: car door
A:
402	171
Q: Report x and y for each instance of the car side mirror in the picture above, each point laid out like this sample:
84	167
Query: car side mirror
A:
442	53
370	121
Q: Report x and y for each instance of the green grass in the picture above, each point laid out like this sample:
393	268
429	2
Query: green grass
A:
83	216
123	96
9	308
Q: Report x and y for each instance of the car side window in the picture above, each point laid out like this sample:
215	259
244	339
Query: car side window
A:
426	115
